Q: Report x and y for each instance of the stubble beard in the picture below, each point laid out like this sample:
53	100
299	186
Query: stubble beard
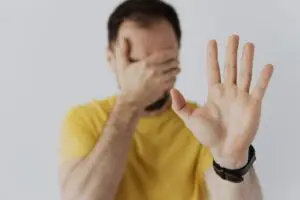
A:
158	104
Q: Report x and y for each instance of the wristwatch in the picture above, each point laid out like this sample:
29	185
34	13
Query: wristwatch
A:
235	175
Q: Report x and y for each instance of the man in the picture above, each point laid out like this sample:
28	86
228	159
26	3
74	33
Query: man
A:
136	146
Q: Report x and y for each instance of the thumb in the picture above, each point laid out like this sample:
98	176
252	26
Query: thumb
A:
180	106
122	51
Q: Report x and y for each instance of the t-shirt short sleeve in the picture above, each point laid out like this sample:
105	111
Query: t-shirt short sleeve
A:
205	159
77	135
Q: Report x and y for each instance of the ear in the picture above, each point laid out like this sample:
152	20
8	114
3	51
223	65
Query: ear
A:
110	57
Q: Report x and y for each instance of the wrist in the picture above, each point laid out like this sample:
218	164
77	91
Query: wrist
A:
233	168
129	104
232	161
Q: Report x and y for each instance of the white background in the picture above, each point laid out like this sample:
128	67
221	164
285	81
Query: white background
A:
52	56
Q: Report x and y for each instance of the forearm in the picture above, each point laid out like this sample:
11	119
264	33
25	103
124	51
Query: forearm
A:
98	175
220	189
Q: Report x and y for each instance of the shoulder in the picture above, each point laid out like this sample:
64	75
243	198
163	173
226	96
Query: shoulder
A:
88	116
82	126
91	108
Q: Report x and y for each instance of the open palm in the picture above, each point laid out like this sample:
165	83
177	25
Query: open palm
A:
228	122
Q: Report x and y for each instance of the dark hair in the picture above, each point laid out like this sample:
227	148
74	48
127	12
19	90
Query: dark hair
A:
145	13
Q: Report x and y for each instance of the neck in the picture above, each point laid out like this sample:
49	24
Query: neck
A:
166	106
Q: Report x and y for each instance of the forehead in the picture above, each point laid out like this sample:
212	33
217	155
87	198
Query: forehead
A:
145	40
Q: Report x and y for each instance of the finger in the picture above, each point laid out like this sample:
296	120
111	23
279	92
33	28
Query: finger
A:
162	56
263	81
213	69
168	84
166	67
245	75
171	75
122	52
180	106
231	60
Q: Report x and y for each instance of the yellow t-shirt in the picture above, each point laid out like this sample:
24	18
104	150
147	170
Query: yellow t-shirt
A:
165	162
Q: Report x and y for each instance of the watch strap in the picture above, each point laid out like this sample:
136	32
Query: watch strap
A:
236	175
